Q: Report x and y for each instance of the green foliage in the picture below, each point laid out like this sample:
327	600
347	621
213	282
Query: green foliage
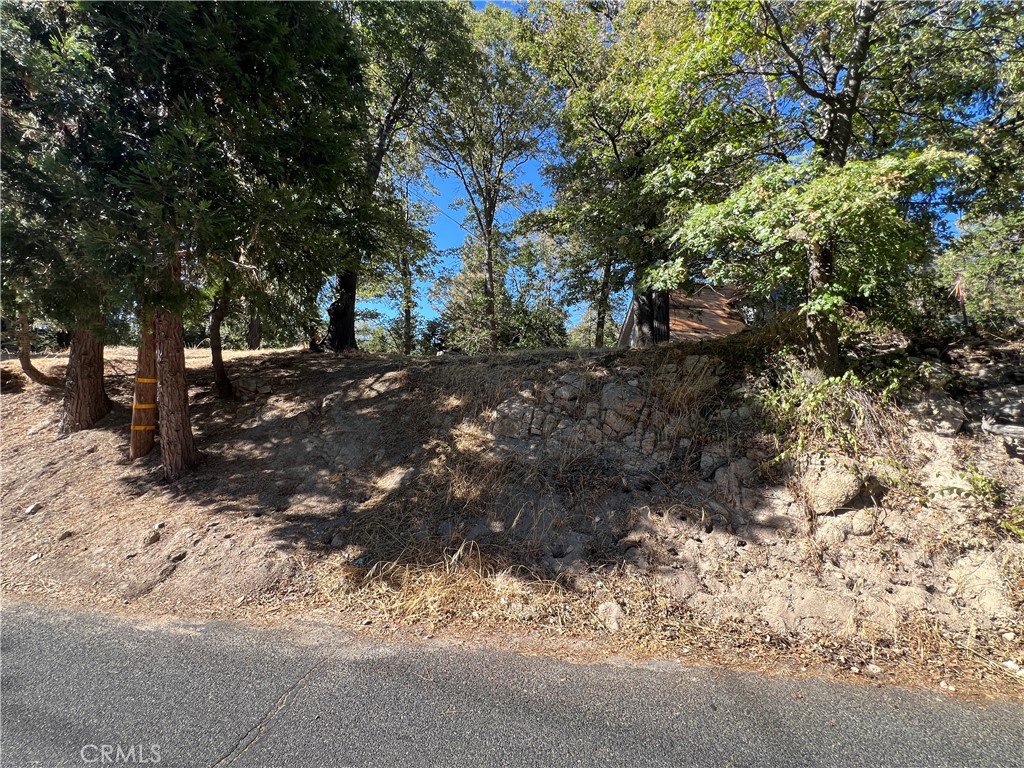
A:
584	333
606	215
990	259
992	502
528	311
813	414
761	235
159	150
59	138
781	154
848	414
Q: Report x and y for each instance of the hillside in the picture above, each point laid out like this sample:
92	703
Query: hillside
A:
634	500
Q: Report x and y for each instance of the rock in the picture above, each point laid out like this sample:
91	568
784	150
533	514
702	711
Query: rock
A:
41	426
940	412
863	522
617	424
395	478
65	535
830	486
873	669
31	509
34	557
712	458
946	686
1013	666
570	546
610	614
832	531
978	580
1009	636
622	399
446	529
150	537
571	387
731	478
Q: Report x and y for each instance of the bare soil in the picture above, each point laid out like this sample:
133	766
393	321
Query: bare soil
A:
384	494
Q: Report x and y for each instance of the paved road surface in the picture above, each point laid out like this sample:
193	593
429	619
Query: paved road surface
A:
219	694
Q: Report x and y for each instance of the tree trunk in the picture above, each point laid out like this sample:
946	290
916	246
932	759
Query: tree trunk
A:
601	309
85	401
489	307
822	329
408	301
144	412
341	327
177	447
25	354
221	304
651	317
254	333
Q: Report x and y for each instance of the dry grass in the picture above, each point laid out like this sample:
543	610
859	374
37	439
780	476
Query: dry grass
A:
409	563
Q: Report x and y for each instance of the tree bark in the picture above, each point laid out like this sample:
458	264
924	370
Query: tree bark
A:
408	300
489	306
177	446
839	107
651	317
85	401
25	354
601	309
341	323
221	304
144	411
254	333
822	329
341	328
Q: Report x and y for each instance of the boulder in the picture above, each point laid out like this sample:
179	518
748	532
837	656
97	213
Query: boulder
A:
940	412
830	485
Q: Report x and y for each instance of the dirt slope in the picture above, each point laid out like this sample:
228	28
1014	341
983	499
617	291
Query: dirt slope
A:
629	500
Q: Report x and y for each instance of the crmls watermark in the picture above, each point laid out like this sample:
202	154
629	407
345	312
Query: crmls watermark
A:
110	754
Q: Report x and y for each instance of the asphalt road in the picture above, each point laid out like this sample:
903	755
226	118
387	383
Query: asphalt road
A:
218	694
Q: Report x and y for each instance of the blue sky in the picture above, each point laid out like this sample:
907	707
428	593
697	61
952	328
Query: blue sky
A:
446	232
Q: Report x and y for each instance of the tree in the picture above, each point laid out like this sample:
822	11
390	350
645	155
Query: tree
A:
609	215
57	143
484	134
816	87
25	352
413	51
172	150
404	257
529	312
988	260
587	332
246	134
